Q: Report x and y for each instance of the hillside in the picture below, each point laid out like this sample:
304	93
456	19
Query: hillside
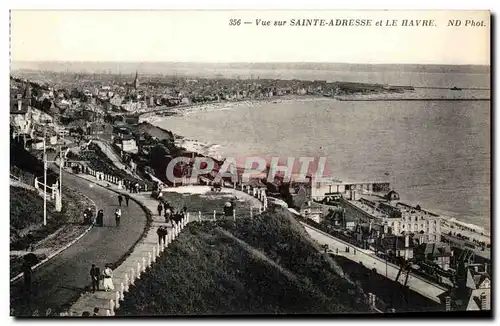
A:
265	265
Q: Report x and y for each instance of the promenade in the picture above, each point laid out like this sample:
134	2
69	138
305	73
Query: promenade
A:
370	260
66	276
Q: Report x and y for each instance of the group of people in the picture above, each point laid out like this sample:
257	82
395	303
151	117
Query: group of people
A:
88	216
106	276
169	213
131	186
120	199
162	232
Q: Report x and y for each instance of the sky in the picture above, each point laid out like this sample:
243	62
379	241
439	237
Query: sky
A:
206	36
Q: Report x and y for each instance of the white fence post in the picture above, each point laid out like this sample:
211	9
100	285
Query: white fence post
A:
149	259
199	215
132	275
122	290
139	271
127	283
143	264
111	307
117	300
214	215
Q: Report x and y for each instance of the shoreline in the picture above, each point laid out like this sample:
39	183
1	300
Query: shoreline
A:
449	223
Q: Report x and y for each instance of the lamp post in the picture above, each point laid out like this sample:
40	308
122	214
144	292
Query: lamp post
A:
386	264
44	178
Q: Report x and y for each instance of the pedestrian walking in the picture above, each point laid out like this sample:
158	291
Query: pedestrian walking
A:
159	208
120	199
94	275
118	215
162	234
127	197
137	187
168	215
100	218
27	272
108	279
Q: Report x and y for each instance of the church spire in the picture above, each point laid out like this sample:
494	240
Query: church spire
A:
136	80
27	90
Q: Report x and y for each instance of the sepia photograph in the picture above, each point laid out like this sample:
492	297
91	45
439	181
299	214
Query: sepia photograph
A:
239	163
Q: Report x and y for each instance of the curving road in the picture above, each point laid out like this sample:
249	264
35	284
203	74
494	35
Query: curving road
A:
65	277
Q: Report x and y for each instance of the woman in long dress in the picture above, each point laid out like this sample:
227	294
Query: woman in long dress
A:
108	279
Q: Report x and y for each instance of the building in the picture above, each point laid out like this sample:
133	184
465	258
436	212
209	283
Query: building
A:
20	116
348	189
437	253
472	291
312	210
128	145
400	217
426	226
396	246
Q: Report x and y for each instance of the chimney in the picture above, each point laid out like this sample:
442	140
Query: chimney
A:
19	105
447	303
407	240
483	301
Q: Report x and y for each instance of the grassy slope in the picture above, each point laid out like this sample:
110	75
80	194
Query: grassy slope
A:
26	211
272	267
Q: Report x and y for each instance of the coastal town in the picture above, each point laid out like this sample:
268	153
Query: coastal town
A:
72	131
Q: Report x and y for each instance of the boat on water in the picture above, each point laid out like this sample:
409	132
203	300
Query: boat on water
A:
455	88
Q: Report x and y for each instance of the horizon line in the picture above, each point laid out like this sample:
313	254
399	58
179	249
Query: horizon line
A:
253	62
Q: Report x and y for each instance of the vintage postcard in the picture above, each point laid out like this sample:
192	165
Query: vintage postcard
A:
250	162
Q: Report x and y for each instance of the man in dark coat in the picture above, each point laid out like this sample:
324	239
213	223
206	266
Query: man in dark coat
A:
27	271
127	199
159	208
162	234
94	275
120	199
100	218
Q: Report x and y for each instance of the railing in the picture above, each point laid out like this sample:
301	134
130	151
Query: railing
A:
101	176
151	257
22	176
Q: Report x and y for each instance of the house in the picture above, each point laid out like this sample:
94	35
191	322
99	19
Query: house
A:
437	253
128	145
20	116
369	233
336	217
472	293
396	245
312	211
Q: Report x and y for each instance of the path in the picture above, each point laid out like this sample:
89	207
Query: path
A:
417	284
101	299
142	256
117	161
66	276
